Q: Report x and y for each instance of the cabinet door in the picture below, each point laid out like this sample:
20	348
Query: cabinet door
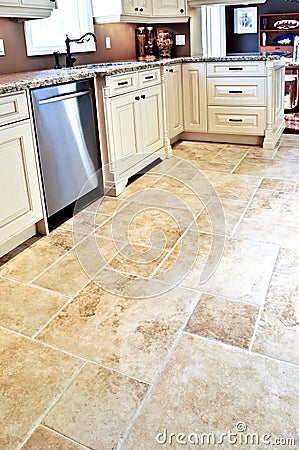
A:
137	7
169	8
20	200
10	2
174	100
194	93
125	145
151	119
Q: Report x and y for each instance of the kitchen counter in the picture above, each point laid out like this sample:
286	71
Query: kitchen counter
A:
13	82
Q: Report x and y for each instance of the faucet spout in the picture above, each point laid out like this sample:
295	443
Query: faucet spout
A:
69	58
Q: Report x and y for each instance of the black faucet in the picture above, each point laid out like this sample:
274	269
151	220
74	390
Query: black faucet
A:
69	58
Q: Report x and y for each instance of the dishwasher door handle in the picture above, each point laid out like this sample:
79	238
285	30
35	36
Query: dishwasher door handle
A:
59	98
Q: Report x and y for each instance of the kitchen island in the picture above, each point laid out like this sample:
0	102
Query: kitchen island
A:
142	108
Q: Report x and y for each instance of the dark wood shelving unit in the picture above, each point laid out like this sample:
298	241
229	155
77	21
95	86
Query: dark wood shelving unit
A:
266	25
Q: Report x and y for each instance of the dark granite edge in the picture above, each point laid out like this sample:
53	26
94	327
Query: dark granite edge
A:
15	82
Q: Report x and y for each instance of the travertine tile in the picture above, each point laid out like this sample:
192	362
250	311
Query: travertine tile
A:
224	319
268	232
259	152
277	168
287	261
84	222
32	376
208	387
230	155
45	439
288	152
243	272
278	331
97	407
197	151
232	211
144	182
276	184
25	308
274	207
233	186
130	335
36	258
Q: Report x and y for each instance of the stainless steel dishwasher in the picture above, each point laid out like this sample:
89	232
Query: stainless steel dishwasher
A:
68	143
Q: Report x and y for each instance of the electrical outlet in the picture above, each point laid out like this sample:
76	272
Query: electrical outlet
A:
108	42
180	39
2	51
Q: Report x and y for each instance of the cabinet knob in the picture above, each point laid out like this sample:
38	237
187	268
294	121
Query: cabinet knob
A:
182	11
143	96
136	9
141	9
171	70
137	98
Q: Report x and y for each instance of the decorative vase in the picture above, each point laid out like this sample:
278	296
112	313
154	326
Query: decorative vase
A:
140	43
150	40
164	43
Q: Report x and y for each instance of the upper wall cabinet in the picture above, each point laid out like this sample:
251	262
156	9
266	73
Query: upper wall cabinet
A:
198	3
26	9
140	11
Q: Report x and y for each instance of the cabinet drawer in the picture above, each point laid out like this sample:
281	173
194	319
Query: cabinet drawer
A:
13	107
149	77
236	120
120	84
237	91
234	68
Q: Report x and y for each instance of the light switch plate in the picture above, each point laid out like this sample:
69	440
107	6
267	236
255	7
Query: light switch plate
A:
108	42
2	51
180	39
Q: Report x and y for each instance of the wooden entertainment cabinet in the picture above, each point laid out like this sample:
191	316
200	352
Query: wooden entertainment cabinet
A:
267	32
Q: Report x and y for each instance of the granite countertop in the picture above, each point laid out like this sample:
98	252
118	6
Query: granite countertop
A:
14	82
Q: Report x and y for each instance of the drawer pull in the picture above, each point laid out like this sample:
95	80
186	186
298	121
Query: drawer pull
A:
235	92
235	120
149	77
235	68
122	83
137	98
143	96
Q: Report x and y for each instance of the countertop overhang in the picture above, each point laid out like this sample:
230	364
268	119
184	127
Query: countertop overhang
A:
19	81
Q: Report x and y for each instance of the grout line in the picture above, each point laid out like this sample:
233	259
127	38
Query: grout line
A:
51	430
241	349
247	207
52	404
158	377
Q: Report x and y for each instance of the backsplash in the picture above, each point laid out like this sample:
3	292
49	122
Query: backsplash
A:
123	46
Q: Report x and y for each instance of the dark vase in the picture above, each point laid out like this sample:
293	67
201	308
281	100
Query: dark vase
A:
264	23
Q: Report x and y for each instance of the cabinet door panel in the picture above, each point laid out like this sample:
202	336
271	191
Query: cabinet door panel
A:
36	3
10	3
128	6
151	118
194	88
174	100
20	201
169	7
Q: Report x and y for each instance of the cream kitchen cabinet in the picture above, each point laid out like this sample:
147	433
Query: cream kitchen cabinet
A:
134	121
26	9
169	8
141	11
174	99
194	97
20	197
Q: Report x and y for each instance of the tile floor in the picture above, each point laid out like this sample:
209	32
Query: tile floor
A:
165	318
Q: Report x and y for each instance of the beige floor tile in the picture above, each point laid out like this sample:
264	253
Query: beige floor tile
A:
84	222
230	155
239	275
276	184
24	308
32	377
232	211
97	407
45	439
274	207
261	153
210	388
130	335
214	166
268	232
233	186
268	168
278	331
197	151
224	319
35	259
288	152
287	261
66	276
144	182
